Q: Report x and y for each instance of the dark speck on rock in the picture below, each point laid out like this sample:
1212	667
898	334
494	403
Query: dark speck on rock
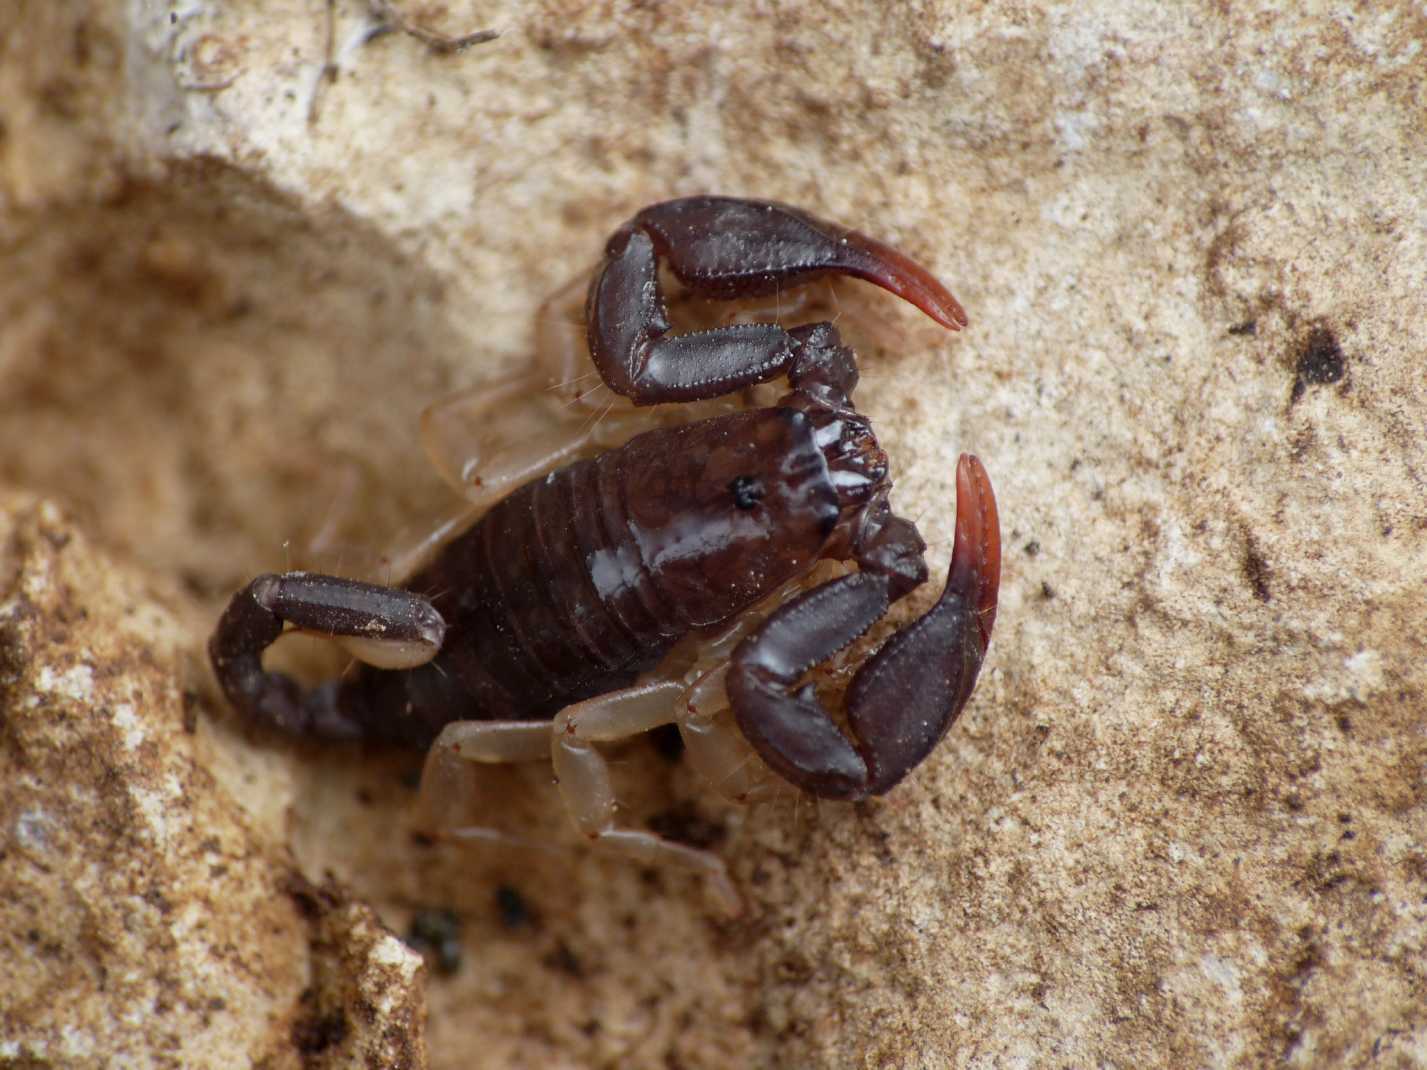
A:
1320	361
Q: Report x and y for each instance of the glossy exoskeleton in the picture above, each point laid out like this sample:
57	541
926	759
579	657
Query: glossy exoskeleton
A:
544	628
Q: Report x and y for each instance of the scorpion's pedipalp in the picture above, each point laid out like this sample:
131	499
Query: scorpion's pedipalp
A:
627	326
731	247
726	247
903	701
787	725
875	262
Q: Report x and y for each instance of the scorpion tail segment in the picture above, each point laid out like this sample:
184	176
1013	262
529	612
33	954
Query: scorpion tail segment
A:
729	247
903	701
787	725
379	625
244	631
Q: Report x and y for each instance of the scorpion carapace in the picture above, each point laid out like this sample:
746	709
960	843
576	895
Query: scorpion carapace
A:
675	578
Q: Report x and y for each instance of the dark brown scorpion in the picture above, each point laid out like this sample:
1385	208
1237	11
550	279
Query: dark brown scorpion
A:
613	594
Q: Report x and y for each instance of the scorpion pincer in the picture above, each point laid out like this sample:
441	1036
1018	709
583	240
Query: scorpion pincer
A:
547	626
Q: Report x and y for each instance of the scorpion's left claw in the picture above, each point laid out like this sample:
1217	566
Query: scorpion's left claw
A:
727	247
871	260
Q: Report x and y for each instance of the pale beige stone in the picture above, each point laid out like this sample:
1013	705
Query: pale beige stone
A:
1182	823
150	918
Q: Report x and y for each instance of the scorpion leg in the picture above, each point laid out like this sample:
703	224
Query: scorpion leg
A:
580	769
903	700
379	625
446	786
714	746
583	775
724	247
489	439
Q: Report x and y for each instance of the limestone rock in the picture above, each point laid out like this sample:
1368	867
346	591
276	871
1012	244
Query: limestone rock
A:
1183	821
148	918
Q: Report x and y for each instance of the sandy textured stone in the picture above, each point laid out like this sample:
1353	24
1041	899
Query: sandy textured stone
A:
1183	821
149	919
365	1005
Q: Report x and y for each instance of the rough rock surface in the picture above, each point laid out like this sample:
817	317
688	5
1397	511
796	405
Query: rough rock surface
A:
150	918
1183	821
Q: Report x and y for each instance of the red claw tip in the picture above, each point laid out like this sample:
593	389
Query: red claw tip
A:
898	273
976	556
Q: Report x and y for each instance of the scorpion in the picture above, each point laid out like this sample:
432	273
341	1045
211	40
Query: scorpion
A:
679	578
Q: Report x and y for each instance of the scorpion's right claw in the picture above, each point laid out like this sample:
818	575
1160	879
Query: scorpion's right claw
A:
907	696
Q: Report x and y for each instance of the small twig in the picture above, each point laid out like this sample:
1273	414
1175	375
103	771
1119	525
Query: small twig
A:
387	14
386	20
328	74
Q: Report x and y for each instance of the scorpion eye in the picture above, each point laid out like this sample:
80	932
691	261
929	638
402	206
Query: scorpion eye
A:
747	492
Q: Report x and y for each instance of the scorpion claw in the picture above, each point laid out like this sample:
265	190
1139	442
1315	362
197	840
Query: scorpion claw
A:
906	697
727	247
870	260
730	247
976	554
